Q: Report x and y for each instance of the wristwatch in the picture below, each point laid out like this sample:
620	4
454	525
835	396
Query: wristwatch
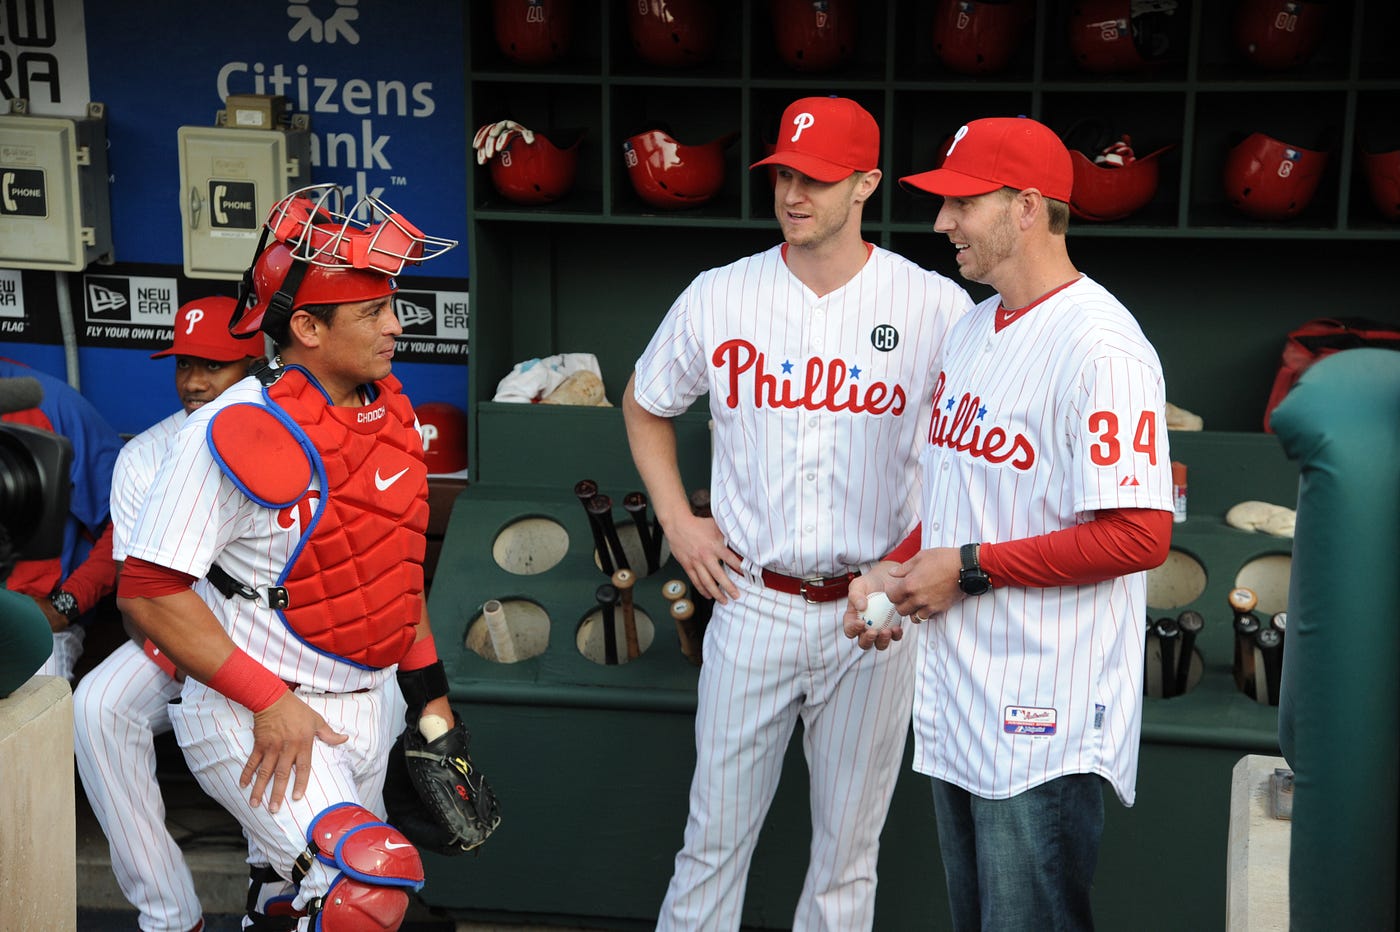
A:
65	604
972	579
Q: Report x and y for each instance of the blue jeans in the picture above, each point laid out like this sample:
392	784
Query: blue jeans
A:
1024	863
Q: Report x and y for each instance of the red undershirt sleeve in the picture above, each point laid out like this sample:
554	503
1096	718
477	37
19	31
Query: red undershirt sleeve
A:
907	547
142	580
1117	542
94	577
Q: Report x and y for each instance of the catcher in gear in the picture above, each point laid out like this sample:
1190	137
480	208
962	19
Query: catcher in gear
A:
278	562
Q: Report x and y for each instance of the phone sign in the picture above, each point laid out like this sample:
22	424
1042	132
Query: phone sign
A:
22	193
233	206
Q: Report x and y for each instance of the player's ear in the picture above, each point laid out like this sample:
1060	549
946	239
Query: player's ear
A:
304	328
867	183
1030	205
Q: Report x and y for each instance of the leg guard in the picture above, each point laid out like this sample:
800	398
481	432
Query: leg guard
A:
269	907
377	867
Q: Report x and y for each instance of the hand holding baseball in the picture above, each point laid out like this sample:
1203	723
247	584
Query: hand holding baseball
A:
493	137
879	612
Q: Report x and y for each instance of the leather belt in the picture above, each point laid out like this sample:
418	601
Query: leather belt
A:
813	588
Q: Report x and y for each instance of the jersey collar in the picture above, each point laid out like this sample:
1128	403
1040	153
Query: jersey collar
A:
1006	318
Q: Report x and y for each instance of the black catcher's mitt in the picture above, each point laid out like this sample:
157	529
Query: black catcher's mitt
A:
436	796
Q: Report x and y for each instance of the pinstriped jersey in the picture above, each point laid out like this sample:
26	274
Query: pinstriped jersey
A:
1036	426
817	402
137	464
196	515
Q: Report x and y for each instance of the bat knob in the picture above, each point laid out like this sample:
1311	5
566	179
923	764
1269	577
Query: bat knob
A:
673	589
606	594
623	579
585	489
1191	621
599	504
634	501
1242	599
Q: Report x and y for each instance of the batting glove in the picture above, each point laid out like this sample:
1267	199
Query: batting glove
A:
494	137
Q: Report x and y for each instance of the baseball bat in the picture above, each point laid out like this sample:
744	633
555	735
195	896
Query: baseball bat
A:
622	581
601	507
585	490
1168	636
635	504
1242	601
1190	624
700	503
1279	622
606	595
682	610
501	640
674	589
1270	644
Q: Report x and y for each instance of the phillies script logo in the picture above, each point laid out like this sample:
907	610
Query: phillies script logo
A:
954	426
824	384
300	513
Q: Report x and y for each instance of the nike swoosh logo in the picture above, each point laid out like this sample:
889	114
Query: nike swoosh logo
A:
391	846
381	483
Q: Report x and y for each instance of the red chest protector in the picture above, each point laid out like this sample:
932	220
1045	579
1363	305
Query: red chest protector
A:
354	585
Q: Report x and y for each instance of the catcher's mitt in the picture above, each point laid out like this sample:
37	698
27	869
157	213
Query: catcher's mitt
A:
436	796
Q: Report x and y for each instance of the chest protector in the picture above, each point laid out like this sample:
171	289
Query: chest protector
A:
354	584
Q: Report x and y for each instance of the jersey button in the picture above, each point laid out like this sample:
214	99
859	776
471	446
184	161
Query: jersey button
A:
811	477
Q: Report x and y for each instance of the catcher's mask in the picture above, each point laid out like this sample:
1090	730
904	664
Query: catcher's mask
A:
312	252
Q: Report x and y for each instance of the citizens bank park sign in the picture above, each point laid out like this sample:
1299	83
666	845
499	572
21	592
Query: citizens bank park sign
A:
137	311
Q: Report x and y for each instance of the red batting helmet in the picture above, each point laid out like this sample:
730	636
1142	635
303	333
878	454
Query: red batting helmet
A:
1382	171
444	430
1272	180
979	37
672	33
1113	36
536	172
670	175
1110	181
1277	34
533	32
320	254
814	35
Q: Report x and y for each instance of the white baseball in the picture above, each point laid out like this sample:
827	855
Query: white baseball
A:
879	611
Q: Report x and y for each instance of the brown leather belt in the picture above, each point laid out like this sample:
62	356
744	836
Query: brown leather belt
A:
814	588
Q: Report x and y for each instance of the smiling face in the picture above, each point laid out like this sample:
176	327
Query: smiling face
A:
983	231
815	213
199	381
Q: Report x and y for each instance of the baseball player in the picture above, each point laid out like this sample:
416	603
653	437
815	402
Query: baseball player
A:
121	704
815	354
277	560
1047	495
68	587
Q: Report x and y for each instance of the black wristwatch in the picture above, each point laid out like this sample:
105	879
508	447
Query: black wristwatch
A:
65	604
972	579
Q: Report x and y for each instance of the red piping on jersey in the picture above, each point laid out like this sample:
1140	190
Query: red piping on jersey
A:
1006	318
1118	541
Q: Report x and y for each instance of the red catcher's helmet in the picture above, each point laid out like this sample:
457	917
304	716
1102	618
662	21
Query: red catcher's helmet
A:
1272	180
672	33
444	430
670	175
535	173
320	254
1115	36
814	35
533	32
979	37
1278	34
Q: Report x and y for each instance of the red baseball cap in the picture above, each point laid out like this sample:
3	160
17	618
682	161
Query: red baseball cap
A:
1000	152
201	330
826	138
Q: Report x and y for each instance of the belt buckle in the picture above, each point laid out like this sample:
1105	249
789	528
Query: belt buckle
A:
815	582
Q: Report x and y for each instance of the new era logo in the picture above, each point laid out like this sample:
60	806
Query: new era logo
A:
104	300
412	315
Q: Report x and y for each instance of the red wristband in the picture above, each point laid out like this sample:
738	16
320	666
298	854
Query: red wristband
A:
423	653
247	682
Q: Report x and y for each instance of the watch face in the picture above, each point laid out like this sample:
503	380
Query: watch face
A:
973	582
65	604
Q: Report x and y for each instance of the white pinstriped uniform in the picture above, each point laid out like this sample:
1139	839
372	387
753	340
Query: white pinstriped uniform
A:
195	515
817	404
118	709
1059	415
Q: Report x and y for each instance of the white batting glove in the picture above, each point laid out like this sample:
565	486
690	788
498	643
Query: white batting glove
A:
493	137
